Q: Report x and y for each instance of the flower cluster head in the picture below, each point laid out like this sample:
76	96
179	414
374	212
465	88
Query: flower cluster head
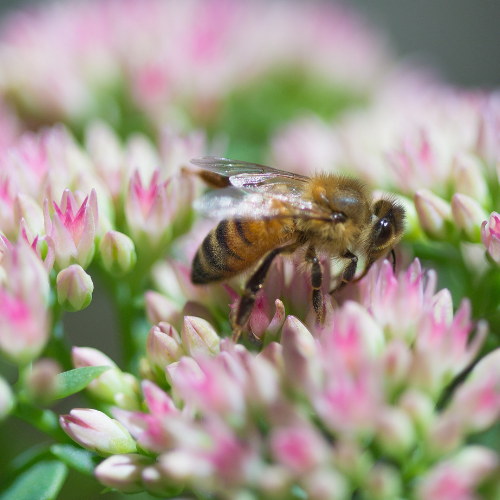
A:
176	59
324	411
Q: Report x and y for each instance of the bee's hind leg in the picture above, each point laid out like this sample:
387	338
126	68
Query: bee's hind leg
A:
316	282
252	287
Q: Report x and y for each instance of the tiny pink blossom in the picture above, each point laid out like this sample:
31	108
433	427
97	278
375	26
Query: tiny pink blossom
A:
73	229
490	236
148	209
299	448
24	327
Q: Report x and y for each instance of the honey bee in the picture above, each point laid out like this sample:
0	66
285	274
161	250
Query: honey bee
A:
268	212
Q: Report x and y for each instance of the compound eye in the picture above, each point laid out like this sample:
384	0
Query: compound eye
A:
384	232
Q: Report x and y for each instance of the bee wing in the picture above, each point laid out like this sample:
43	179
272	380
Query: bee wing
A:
252	176
231	202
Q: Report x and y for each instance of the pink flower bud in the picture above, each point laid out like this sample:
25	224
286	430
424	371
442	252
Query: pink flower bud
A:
123	472
184	364
420	408
261	315
117	253
274	353
383	482
106	153
468	215
24	326
148	211
299	355
301	449
444	435
160	308
325	484
395	432
113	386
396	362
459	476
96	432
274	481
163	347
157	483
490	236
433	212
351	459
158	401
477	400
72	229
199	337
213	389
25	276
27	208
74	288
469	176
7	400
41	383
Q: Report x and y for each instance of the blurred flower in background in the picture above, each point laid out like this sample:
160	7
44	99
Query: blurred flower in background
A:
102	105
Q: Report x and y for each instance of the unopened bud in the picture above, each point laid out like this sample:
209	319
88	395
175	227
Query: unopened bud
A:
97	432
27	208
433	212
383	482
419	406
160	308
326	484
123	472
199	337
113	386
395	432
74	288
469	176
490	236
41	384
444	435
468	215
117	253
163	347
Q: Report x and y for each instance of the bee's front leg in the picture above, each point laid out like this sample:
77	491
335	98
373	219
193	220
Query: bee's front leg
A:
316	282
349	270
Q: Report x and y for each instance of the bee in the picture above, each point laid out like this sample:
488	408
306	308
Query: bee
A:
268	212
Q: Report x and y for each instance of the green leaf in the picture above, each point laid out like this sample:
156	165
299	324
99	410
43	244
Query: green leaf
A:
75	380
43	481
83	461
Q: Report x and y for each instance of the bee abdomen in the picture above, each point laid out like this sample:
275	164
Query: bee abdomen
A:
220	255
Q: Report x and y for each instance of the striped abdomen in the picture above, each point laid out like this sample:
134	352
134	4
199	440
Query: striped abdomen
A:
234	245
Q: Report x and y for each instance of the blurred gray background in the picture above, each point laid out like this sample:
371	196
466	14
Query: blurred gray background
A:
459	37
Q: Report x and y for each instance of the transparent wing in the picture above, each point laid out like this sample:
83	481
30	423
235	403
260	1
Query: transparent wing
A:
252	176
234	203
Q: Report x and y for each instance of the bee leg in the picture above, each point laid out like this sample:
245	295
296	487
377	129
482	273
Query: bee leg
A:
393	260
316	282
253	285
349	271
253	339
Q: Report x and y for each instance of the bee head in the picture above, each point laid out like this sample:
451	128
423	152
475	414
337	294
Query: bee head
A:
387	228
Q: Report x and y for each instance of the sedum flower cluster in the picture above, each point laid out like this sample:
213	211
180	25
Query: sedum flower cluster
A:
360	404
395	396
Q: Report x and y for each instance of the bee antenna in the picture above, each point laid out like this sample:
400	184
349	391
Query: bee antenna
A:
393	261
